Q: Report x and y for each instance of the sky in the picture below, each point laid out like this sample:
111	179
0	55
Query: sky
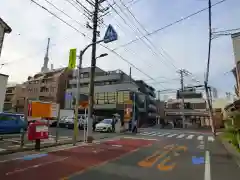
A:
158	56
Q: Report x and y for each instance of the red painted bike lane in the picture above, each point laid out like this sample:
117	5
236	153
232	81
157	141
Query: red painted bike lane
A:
59	164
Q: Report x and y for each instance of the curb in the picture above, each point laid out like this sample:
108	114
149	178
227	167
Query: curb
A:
11	151
231	150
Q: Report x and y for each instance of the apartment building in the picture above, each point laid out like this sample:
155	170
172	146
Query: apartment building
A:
15	98
113	89
48	86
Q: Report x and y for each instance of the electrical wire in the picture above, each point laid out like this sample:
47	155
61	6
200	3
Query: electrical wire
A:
121	57
148	40
169	25
58	17
65	13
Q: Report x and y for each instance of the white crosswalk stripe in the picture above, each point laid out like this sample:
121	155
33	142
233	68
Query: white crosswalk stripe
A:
210	138
171	135
2	149
187	136
160	135
181	136
190	136
200	138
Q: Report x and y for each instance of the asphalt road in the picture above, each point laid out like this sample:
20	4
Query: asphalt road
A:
152	154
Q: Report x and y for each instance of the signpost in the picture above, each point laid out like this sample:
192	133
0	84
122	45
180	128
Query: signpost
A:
110	35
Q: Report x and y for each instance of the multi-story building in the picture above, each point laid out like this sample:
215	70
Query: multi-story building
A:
3	84
15	98
112	90
236	69
195	108
151	105
4	28
48	86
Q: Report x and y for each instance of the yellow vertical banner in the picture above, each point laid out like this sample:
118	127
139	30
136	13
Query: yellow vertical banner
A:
72	58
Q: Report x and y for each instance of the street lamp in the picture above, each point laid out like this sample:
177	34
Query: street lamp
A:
102	55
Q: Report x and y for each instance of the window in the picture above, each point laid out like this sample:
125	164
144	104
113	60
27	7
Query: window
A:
85	75
120	97
111	97
7	117
99	83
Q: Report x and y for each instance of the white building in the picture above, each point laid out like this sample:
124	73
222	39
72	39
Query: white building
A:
3	82
4	28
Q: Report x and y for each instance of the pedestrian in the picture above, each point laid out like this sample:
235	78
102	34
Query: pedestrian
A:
94	123
134	129
113	124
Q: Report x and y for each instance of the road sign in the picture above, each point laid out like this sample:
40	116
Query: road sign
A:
72	58
110	35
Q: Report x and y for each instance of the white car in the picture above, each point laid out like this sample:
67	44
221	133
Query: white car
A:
104	126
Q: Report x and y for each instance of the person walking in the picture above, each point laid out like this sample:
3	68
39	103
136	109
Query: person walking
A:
113	124
134	129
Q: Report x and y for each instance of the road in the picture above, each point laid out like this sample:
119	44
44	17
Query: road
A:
151	154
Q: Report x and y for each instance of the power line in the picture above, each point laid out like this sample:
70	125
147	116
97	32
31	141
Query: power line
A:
64	13
148	40
58	17
169	25
90	38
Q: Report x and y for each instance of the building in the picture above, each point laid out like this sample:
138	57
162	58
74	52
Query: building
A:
236	51
195	108
113	89
3	82
4	28
15	98
150	100
48	86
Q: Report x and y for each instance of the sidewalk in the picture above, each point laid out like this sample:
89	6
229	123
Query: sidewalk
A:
9	148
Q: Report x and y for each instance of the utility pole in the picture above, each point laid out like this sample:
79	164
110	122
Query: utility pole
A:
96	34
182	72
208	67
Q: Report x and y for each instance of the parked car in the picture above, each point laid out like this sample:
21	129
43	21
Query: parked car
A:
12	123
61	122
68	121
104	126
80	123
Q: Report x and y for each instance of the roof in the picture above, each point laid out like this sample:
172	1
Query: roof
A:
7	28
235	35
4	75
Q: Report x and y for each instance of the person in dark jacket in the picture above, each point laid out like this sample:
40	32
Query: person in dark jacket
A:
113	124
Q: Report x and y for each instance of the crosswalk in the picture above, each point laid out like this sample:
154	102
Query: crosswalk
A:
179	136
